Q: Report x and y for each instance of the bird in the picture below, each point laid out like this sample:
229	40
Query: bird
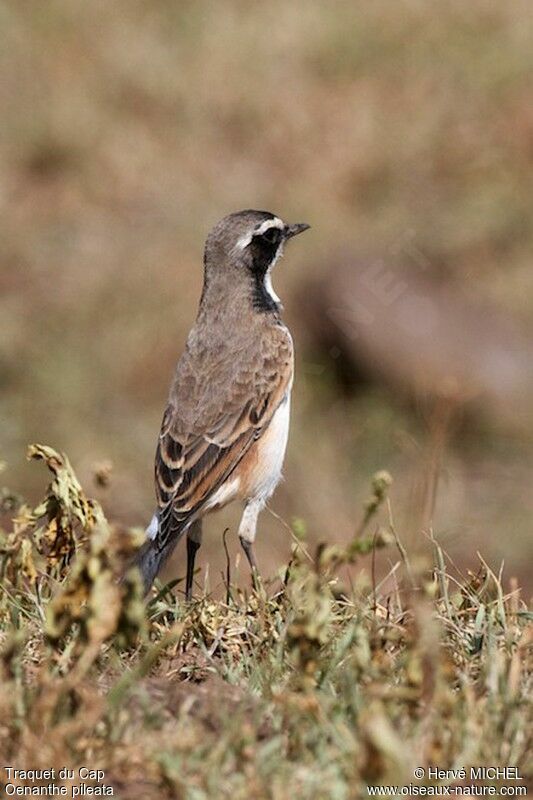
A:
225	427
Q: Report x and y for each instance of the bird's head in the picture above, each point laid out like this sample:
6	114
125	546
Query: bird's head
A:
248	244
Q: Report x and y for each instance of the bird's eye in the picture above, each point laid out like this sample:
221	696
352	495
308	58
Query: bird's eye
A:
271	236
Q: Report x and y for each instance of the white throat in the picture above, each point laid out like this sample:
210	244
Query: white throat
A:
267	283
267	280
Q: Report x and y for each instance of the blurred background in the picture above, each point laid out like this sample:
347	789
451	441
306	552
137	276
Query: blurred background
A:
401	131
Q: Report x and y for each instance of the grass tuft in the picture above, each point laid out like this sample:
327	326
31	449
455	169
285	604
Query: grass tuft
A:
301	688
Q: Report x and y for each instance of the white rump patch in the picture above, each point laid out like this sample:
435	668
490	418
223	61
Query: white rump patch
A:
153	528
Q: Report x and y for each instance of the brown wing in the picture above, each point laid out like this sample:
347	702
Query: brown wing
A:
191	466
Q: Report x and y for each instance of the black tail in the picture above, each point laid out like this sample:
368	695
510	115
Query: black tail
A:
150	560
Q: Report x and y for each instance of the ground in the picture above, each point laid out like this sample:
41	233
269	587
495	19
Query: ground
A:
311	686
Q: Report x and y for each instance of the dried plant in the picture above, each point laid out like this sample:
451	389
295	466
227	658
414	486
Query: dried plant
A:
308	688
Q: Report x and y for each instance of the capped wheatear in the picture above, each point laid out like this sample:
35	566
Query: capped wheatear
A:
225	428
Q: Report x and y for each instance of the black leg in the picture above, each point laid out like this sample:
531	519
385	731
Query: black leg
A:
248	548
192	549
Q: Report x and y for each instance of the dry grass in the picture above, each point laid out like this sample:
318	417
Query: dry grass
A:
308	688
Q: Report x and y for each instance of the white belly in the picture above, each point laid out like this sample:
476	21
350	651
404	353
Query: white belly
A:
271	452
224	494
261	476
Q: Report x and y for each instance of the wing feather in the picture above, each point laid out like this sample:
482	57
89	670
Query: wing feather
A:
194	460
